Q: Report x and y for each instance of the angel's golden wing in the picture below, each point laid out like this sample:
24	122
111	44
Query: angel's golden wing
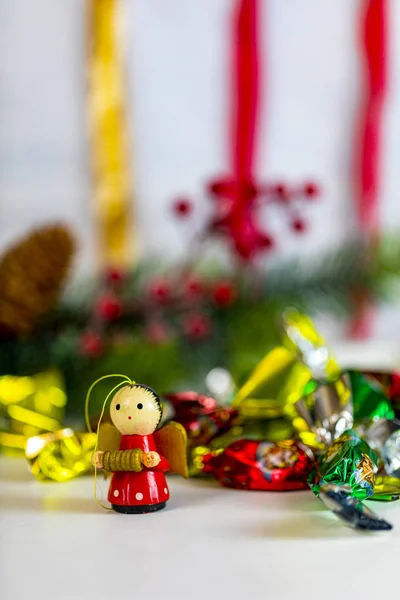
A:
109	437
171	442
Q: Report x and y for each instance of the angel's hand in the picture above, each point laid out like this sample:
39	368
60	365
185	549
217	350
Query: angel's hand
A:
97	459
150	459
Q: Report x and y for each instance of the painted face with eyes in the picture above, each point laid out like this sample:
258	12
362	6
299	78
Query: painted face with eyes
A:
135	410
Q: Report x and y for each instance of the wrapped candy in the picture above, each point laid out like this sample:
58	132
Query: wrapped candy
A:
211	428
200	415
262	408
189	406
383	435
287	372
277	381
350	510
302	339
324	404
255	465
250	429
296	370
337	400
370	397
393	390
349	463
203	421
391	454
324	414
386	488
345	469
29	406
346	465
60	455
390	383
299	421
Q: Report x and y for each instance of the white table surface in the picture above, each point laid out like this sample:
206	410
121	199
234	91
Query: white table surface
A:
209	543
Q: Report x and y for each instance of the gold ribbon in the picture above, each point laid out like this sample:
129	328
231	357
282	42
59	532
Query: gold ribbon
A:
108	129
60	455
29	406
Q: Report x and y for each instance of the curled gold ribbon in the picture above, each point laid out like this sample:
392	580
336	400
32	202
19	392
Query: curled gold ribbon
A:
60	455
29	405
112	189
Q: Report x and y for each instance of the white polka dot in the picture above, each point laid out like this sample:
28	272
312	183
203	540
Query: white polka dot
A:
165	491
139	496
116	493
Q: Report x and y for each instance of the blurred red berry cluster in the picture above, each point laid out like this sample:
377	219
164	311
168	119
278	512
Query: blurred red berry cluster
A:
237	212
181	303
166	307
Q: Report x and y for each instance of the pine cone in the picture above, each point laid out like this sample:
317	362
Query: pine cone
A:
31	275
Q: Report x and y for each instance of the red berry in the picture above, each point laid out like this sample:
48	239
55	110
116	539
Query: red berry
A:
182	207
311	190
224	293
157	333
91	344
267	242
215	188
114	275
281	191
108	307
159	291
197	326
193	288
298	225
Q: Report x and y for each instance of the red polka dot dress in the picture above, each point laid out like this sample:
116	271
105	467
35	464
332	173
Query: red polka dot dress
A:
144	489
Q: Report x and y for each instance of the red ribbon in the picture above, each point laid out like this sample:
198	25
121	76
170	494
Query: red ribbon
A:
235	195
374	47
245	88
375	55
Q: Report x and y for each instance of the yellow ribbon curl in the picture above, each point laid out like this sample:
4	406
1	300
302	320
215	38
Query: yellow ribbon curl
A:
29	406
60	455
108	133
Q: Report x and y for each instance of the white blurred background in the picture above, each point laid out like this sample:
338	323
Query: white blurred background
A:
176	59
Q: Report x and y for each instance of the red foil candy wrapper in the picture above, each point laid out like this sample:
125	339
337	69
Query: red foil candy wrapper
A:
394	391
200	415
189	406
254	465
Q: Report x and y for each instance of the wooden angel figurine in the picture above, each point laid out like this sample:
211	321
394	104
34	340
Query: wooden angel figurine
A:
136	454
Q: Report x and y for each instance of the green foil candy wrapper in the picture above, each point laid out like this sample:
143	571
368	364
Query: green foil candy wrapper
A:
348	463
370	400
